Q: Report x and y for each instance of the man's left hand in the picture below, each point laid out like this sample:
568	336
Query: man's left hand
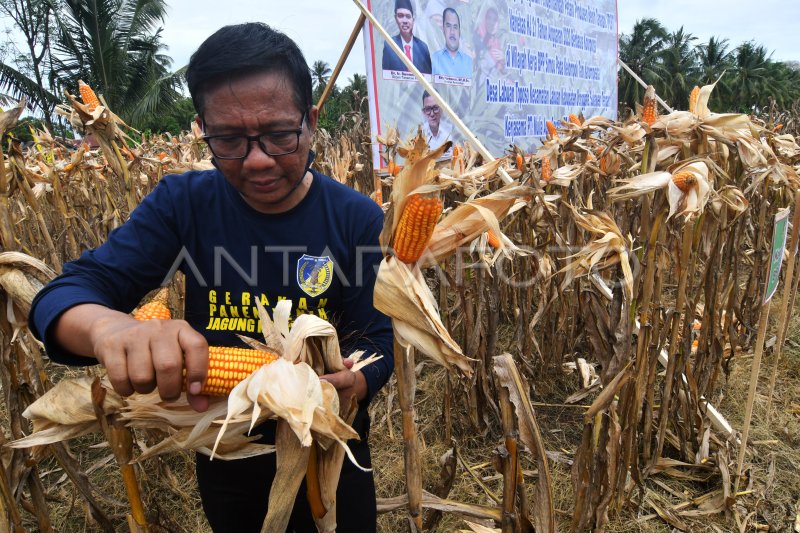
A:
348	383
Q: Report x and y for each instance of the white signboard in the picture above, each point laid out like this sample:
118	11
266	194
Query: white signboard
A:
504	66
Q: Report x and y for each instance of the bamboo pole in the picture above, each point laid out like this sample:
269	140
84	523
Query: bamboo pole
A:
406	387
643	83
471	137
787	297
342	58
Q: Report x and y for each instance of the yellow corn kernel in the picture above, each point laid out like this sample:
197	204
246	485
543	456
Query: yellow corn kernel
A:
415	228
88	96
649	112
693	98
575	119
547	171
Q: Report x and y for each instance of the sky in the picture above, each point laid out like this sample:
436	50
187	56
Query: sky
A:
321	27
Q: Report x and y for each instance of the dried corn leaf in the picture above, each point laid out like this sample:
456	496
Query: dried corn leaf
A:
402	294
471	219
477	528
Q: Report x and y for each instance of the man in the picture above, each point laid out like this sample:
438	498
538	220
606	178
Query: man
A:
436	131
252	228
415	49
450	61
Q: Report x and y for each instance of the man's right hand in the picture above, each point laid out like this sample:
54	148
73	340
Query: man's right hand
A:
139	356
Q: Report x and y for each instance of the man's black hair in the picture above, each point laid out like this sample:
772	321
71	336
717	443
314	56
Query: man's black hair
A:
241	49
403	4
425	94
454	12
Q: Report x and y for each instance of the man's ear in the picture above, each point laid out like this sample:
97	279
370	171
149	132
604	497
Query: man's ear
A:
199	122
313	116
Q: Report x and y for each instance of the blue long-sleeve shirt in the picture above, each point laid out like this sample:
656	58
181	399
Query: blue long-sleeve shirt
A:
322	255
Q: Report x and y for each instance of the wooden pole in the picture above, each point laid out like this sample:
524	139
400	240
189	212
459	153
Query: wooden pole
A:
406	388
787	297
428	87
342	58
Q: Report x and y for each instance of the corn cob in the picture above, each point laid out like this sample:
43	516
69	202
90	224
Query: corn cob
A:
492	239
575	119
520	162
394	168
684	180
693	98
153	310
547	171
227	366
415	228
88	96
552	133
649	112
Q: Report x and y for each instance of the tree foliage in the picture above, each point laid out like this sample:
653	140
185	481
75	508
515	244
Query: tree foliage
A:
113	45
342	103
749	79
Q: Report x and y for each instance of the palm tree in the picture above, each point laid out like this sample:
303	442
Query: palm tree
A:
320	73
641	51
714	59
115	46
751	81
679	64
354	96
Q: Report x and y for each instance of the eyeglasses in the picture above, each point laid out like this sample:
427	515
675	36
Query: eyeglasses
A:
431	109
273	143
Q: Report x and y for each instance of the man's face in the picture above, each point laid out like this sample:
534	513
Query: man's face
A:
452	31
432	112
405	22
260	103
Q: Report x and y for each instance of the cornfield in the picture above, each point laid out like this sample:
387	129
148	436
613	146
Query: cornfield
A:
600	316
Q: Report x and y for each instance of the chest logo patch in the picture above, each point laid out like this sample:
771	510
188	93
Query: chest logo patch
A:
314	274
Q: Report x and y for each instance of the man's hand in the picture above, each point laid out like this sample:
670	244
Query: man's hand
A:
348	383
138	355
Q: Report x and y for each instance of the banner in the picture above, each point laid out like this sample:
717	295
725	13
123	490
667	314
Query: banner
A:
505	67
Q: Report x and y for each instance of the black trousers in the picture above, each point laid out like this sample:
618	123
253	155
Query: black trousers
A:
235	493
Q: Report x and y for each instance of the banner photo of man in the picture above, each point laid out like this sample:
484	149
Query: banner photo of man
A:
505	67
415	49
451	65
436	130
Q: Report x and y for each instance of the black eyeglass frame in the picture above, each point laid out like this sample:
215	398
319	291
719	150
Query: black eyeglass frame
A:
257	139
